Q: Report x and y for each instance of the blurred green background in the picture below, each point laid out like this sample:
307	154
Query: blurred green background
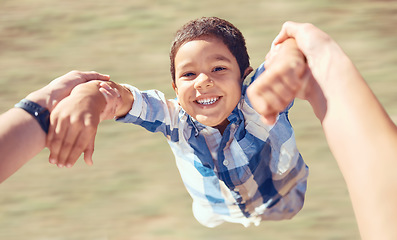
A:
134	191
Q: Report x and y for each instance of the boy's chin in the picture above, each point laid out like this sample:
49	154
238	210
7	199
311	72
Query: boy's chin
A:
207	121
215	123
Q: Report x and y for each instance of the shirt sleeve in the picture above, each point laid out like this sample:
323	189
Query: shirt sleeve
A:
153	112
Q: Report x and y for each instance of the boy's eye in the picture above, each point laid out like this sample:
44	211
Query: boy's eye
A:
189	74
217	69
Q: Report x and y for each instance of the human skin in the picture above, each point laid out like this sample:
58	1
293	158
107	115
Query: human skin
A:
21	137
207	81
208	85
75	120
360	134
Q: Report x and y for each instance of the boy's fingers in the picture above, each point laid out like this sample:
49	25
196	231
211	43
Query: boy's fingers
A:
67	146
76	151
274	103
109	92
56	141
78	148
260	102
282	85
261	106
113	99
87	133
282	96
49	142
270	94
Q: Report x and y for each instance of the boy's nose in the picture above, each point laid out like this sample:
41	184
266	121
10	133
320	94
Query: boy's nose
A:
203	81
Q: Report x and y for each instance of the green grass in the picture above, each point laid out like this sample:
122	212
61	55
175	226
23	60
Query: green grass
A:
134	191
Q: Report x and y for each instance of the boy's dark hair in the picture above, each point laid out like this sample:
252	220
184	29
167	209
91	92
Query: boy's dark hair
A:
214	27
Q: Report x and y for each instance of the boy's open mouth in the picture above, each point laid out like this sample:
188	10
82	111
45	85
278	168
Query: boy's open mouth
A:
207	101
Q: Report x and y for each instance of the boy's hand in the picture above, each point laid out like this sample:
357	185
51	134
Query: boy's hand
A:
113	101
283	80
75	119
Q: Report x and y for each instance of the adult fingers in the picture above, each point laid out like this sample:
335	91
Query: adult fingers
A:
76	77
92	75
89	151
310	39
288	30
81	145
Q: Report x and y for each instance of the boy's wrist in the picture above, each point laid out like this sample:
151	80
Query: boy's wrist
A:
127	99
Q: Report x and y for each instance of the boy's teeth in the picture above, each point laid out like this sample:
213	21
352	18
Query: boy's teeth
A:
207	101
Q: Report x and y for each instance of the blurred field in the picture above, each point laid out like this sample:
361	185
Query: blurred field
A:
134	191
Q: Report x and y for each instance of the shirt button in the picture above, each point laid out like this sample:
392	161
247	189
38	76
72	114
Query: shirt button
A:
225	162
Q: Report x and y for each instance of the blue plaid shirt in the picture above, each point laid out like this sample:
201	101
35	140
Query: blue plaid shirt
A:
252	172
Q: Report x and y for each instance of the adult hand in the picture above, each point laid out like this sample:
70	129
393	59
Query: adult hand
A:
19	130
316	45
50	95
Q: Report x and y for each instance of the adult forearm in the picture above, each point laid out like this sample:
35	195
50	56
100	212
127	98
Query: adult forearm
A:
363	140
21	138
360	134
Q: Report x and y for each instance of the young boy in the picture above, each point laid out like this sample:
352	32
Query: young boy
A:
235	167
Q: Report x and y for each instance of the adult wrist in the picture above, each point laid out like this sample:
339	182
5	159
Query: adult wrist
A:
38	112
42	97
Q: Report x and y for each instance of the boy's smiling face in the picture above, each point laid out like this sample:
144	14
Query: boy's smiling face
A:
207	81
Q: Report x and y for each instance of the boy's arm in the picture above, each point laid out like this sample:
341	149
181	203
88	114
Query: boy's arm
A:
360	134
75	120
280	83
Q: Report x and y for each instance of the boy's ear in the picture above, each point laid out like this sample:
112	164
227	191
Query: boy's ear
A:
247	71
176	91
174	87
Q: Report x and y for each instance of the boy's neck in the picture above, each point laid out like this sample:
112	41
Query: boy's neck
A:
221	127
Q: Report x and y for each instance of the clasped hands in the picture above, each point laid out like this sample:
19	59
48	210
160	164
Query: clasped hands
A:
75	119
